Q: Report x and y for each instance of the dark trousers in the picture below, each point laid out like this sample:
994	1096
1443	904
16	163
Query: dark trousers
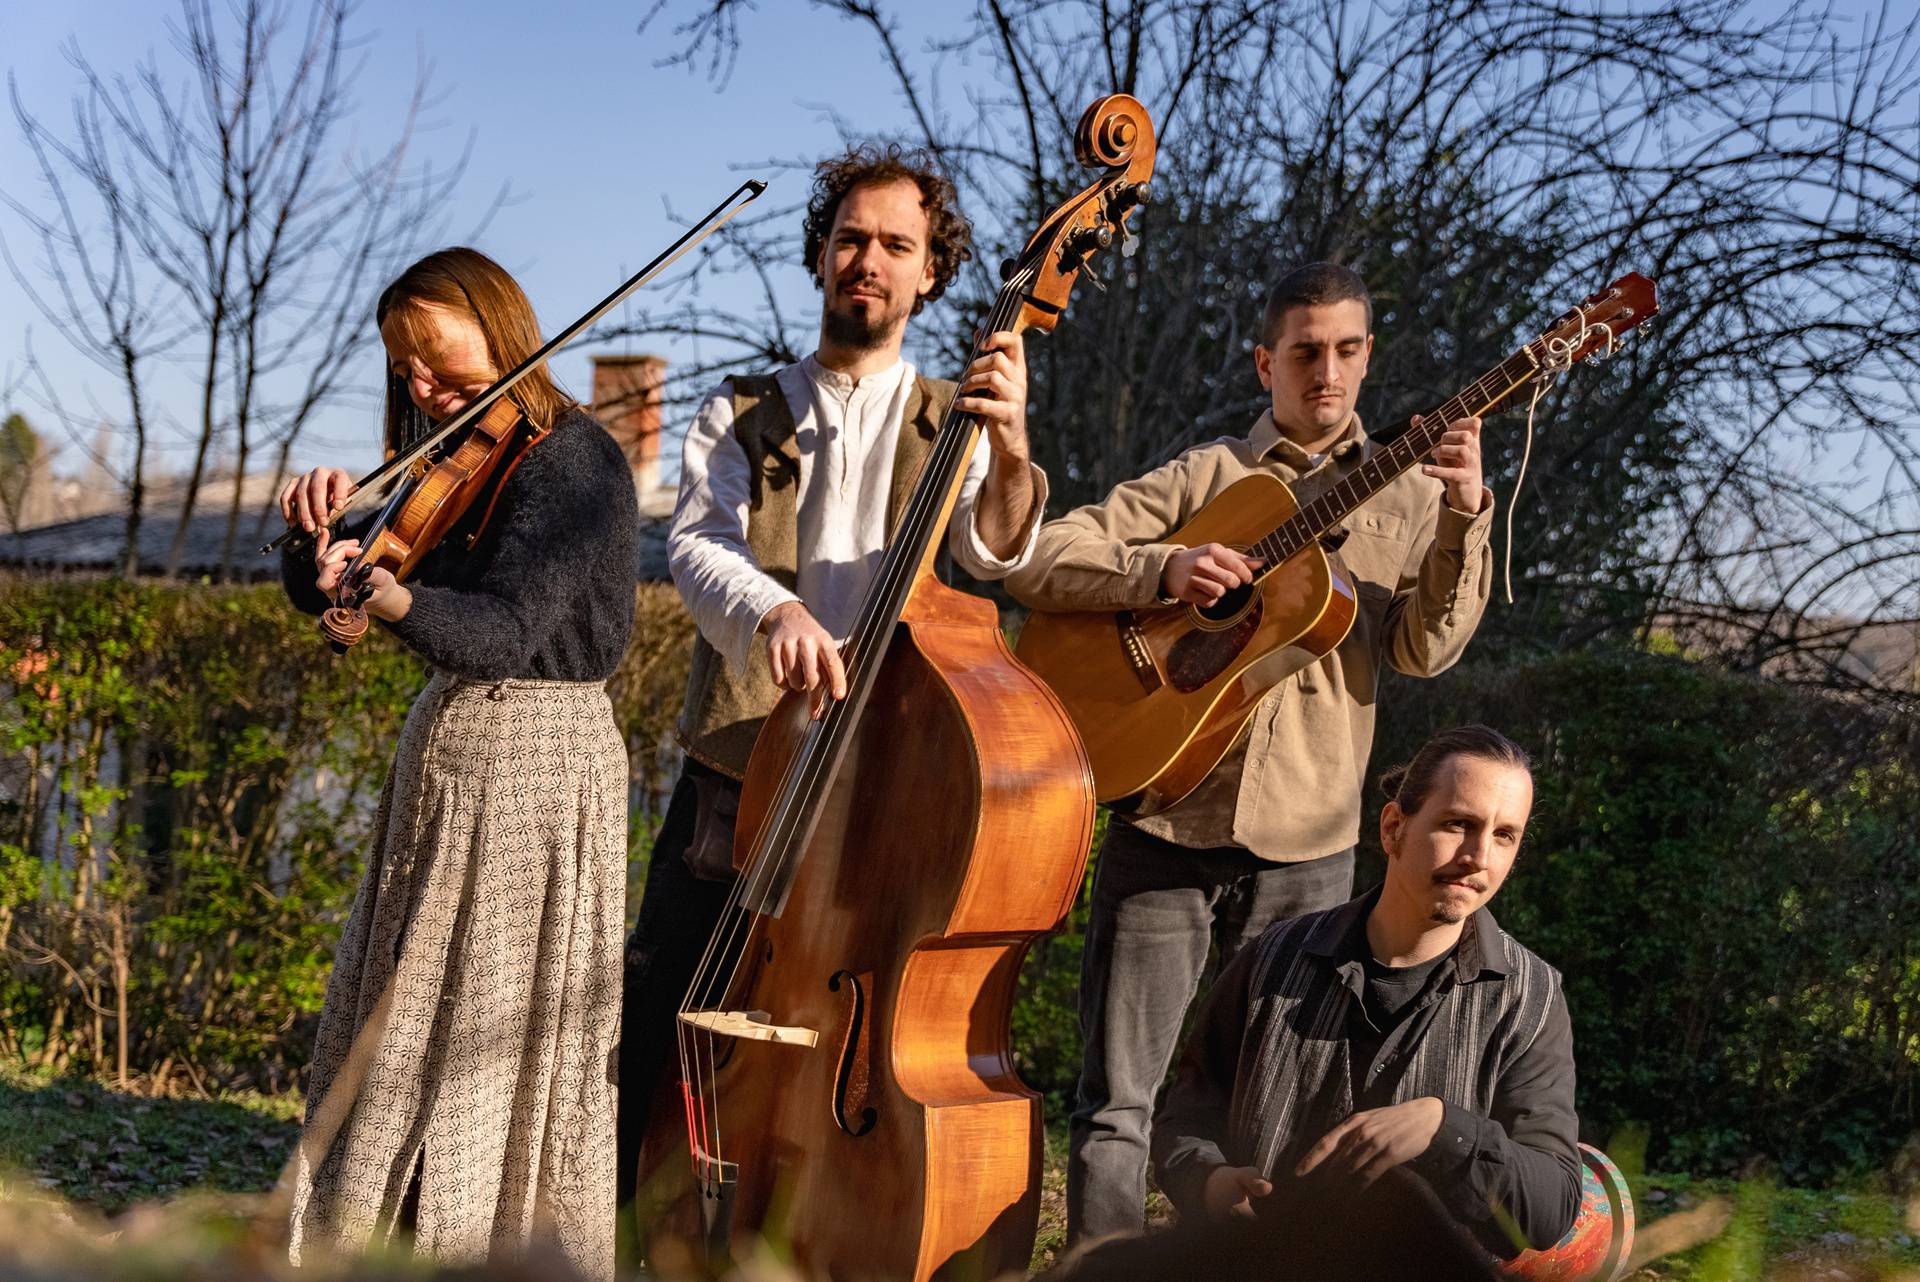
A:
678	914
1157	910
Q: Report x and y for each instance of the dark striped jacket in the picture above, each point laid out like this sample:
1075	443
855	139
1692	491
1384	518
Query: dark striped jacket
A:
1296	1080
1269	1067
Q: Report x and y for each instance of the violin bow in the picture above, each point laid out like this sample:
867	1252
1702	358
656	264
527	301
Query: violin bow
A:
720	215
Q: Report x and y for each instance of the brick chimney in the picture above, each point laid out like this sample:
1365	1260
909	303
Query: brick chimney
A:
626	398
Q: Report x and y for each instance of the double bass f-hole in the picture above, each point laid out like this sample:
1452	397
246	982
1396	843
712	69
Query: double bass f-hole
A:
850	1091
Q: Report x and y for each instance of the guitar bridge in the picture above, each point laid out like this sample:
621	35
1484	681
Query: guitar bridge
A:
1139	658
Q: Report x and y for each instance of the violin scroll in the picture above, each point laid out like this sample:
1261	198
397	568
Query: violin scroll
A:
343	626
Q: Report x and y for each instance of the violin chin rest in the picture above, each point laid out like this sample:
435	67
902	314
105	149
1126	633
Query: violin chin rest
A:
343	627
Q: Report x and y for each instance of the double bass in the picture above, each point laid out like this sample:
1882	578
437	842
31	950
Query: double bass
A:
848	1091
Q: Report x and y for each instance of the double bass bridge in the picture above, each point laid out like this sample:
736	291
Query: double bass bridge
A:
752	1025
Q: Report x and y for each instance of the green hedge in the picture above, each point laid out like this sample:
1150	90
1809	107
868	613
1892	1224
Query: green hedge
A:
1726	872
1724	869
187	785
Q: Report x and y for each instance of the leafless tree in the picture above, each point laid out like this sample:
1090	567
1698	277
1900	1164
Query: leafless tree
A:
223	224
1746	469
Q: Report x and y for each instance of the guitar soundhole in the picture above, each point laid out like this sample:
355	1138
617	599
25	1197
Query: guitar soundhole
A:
1227	608
1200	655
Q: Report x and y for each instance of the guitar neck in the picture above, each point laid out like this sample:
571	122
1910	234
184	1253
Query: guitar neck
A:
1316	519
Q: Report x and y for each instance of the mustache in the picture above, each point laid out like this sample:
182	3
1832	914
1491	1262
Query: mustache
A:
870	283
1445	877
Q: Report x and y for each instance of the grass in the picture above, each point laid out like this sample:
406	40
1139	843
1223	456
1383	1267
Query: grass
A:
109	1150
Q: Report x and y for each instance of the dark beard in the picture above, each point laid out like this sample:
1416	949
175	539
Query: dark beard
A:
859	335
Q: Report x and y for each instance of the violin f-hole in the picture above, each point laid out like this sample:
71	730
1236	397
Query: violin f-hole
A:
851	1078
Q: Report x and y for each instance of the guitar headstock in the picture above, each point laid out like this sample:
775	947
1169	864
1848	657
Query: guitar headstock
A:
1598	324
1115	134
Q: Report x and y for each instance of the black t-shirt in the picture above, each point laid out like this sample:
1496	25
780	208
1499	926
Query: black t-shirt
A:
1384	1021
1390	990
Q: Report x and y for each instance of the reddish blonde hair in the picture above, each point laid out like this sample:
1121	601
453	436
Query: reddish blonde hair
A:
467	281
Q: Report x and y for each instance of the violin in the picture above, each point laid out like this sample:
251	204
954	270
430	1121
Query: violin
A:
440	483
847	1082
430	501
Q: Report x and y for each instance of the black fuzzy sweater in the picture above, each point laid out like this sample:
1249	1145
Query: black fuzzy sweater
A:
547	593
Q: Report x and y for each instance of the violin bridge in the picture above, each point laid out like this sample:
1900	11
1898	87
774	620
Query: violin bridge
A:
754	1025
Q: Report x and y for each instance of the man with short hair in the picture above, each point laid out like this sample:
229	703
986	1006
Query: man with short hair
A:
1403	1030
1270	833
790	486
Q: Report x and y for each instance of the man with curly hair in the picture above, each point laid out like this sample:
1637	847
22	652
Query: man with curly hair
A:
790	484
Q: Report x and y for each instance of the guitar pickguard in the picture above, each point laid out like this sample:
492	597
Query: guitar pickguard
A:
1200	656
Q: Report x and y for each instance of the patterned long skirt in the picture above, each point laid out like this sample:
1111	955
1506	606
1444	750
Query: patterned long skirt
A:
470	1019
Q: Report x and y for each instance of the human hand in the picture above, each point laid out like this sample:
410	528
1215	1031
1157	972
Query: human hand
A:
803	655
1202	575
1456	460
1230	1191
995	388
310	501
1370	1144
385	599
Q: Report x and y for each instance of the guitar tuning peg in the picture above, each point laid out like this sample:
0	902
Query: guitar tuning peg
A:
1129	243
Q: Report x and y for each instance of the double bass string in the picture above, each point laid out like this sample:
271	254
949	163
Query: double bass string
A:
808	776
803	780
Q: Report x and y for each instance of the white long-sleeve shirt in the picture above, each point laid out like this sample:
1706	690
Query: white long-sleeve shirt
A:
846	431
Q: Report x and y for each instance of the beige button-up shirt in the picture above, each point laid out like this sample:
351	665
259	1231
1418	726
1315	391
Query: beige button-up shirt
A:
1290	789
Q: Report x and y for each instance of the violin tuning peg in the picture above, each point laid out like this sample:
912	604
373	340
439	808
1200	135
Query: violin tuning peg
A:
1007	268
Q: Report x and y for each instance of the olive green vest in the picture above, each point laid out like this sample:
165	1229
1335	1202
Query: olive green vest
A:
725	706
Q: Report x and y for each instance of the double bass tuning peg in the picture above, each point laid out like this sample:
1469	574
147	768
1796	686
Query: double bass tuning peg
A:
1125	197
1083	244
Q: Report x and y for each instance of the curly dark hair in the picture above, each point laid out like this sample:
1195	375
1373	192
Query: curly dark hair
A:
949	234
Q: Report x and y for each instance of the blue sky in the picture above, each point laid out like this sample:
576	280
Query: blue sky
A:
565	105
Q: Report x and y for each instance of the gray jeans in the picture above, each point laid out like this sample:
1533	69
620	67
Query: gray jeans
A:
1157	910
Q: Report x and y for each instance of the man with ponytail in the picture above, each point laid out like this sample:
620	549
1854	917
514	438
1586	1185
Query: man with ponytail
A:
1403	1032
1270	832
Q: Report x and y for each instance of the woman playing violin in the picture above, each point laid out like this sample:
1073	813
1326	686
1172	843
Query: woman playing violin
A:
473	1002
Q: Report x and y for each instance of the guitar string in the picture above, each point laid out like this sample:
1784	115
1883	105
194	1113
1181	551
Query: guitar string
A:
1315	518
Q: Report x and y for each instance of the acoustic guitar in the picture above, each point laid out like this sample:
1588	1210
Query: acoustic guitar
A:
1161	694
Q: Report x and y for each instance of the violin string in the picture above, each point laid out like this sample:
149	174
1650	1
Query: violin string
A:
807	774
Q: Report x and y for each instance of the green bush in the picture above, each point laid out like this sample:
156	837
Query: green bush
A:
1724	869
188	782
